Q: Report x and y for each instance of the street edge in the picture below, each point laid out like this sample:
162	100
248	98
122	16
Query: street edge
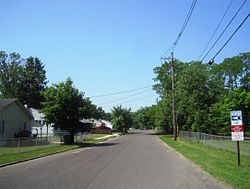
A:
42	156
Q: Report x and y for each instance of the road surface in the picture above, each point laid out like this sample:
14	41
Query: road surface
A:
134	161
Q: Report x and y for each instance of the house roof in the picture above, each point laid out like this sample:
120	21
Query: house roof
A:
37	114
4	103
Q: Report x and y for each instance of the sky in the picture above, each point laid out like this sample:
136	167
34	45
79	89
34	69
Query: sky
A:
112	46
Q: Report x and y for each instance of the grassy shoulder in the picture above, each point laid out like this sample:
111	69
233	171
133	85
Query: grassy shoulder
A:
24	154
219	163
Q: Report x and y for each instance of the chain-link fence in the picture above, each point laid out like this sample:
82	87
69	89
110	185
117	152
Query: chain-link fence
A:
18	145
220	142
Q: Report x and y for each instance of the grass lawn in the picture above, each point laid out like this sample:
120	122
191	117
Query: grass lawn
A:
219	163
230	145
15	157
9	155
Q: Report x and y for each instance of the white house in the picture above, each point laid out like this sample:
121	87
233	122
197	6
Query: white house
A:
14	118
108	124
39	125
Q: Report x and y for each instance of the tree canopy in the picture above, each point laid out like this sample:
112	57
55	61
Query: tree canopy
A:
24	79
205	95
121	118
64	107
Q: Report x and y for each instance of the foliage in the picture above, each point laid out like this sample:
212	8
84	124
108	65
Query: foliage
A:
22	79
205	95
98	112
220	111
11	72
122	118
33	82
64	106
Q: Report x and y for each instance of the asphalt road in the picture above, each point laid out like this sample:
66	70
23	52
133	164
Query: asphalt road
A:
135	161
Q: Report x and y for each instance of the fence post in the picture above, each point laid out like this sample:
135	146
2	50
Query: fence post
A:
36	141
18	145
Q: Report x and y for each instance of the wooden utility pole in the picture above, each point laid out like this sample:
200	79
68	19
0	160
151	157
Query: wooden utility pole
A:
173	97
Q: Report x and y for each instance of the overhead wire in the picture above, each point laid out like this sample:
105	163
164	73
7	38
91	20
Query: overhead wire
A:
224	29
133	100
116	100
184	25
216	29
120	92
241	24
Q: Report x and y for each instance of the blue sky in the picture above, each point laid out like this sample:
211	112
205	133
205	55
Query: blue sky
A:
108	46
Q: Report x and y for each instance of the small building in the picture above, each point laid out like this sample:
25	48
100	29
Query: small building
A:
14	118
100	128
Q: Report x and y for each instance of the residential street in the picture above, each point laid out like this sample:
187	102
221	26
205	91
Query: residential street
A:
134	161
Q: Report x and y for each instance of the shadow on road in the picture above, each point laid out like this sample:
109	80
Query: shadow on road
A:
157	133
104	144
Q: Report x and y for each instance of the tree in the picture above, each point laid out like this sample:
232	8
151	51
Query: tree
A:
64	106
197	88
164	89
121	118
33	82
245	81
220	111
11	72
22	79
205	95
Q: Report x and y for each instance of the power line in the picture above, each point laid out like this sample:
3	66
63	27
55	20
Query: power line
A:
212	60
224	29
185	23
228	7
110	102
133	100
120	92
172	47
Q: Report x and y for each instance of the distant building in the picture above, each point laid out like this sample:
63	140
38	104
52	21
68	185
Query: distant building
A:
108	124
39	125
14	118
100	127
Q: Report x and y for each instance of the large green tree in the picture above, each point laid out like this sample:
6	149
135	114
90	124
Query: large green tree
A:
11	74
205	94
122	118
33	82
64	107
220	111
22	79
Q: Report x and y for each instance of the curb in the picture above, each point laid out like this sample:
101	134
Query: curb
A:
33	158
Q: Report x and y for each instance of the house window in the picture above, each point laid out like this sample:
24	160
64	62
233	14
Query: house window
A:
2	126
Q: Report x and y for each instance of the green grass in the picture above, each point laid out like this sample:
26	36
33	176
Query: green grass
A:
13	150
16	157
10	155
219	163
230	145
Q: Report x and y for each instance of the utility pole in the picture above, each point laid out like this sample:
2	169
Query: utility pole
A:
173	97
